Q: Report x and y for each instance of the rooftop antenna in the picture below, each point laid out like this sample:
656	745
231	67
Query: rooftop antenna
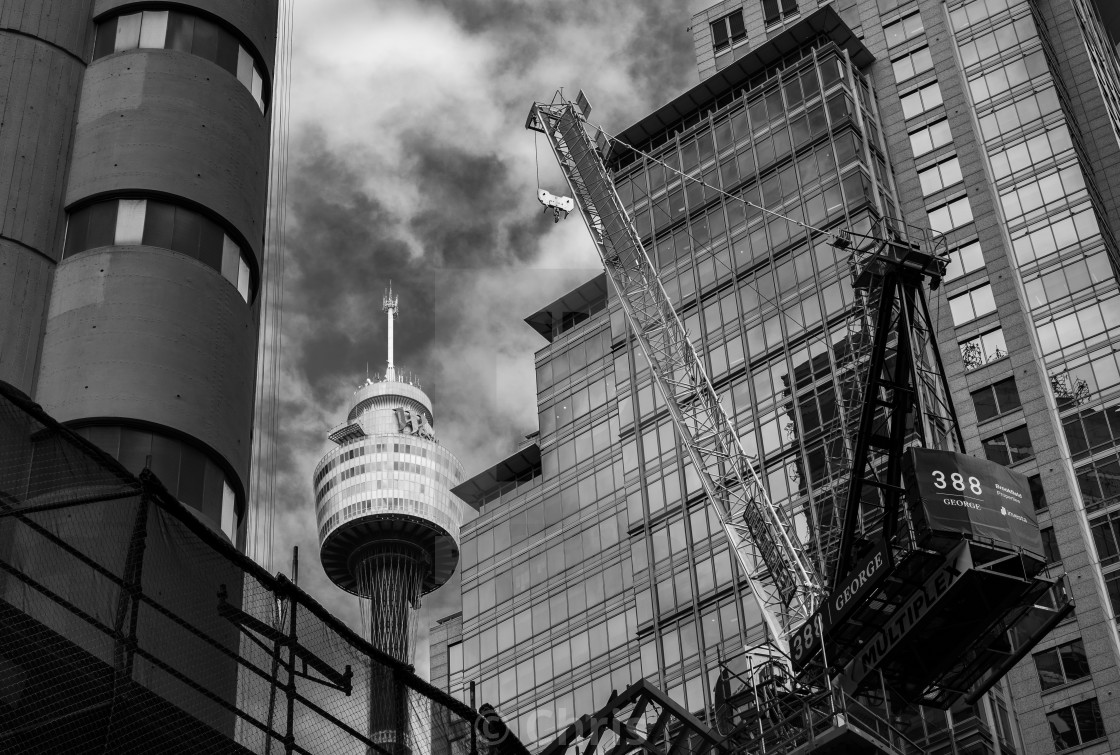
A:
389	307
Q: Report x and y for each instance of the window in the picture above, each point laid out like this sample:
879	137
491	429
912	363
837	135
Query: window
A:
1029	153
920	100
1106	537
776	10
946	217
996	399
1061	665
972	304
984	348
173	30
992	83
903	29
1071	328
1050	546
148	222
1038	494
964	260
728	31
1015	116
1059	186
928	138
1099	482
1066	280
909	66
1076	724
1009	447
940	176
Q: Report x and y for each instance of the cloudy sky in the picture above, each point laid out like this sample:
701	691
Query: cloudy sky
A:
409	161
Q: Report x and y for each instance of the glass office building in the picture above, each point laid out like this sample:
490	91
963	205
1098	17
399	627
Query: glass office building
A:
595	561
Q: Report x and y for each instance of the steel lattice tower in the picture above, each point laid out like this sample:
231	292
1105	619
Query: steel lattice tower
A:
388	523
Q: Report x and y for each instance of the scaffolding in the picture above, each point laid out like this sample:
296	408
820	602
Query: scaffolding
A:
128	624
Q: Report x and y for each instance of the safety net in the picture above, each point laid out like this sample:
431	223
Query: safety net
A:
127	624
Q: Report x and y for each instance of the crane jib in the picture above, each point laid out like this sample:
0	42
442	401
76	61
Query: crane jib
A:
777	567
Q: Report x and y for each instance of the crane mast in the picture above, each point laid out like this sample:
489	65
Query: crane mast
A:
781	576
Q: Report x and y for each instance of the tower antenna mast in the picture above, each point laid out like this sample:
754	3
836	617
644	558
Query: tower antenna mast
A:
389	307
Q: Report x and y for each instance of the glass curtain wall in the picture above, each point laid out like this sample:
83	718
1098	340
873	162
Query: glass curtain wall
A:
613	568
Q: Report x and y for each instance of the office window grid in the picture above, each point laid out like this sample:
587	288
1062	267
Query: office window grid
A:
774	11
972	304
996	399
940	176
1062	664
983	349
930	136
912	64
905	28
965	259
1076	724
1009	447
728	31
950	215
921	100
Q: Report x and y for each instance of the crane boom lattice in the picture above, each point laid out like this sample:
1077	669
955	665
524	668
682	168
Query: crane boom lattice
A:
782	578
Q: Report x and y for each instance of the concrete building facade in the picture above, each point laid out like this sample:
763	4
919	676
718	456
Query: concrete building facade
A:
136	152
990	121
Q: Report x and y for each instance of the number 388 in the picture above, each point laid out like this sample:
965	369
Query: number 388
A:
956	481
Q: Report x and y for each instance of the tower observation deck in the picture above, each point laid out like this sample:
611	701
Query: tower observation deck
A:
388	523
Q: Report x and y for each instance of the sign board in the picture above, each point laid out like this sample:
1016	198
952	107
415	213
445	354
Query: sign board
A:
902	621
855	587
973	498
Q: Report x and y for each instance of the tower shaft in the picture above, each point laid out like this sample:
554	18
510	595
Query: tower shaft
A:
391	577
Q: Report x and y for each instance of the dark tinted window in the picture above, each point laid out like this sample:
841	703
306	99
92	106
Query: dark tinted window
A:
1062	664
1009	447
77	229
205	43
226	55
102	224
188	228
1006	396
1076	724
159	224
1038	495
1050	546
180	32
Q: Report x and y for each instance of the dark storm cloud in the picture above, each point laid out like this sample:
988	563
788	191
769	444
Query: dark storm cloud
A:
465	198
346	246
649	40
659	54
346	249
479	16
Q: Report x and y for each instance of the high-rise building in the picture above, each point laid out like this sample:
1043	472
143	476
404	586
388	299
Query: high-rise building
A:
136	169
388	523
995	122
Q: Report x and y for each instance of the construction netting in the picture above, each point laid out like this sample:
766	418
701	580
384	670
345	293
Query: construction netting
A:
127	624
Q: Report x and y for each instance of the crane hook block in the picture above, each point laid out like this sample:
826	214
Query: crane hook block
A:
558	204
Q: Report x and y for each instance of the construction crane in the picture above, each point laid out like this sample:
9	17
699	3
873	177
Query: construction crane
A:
781	575
876	562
